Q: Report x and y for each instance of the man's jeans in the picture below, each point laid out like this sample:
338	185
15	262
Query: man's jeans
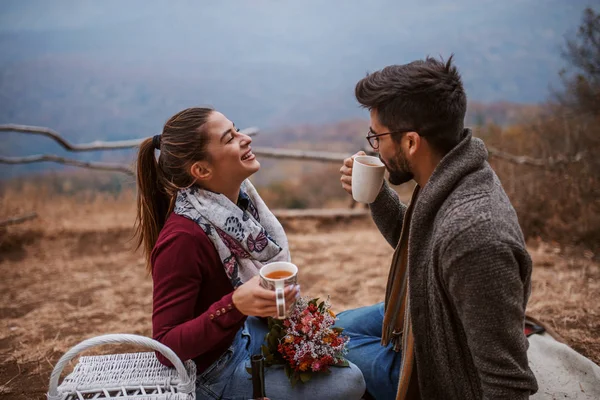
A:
380	365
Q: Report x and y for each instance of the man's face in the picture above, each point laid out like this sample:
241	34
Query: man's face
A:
391	153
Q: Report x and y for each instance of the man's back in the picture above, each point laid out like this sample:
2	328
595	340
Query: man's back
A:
469	281
460	276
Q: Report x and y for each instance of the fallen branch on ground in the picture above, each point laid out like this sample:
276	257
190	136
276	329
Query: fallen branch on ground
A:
18	220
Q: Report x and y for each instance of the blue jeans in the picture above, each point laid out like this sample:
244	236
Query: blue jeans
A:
227	377
379	365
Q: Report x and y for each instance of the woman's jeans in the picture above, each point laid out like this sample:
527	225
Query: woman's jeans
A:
227	378
379	365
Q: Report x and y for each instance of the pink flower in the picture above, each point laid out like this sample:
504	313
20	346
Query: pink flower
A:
309	342
316	366
306	320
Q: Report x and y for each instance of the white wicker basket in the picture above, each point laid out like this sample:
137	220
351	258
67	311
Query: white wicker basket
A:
133	376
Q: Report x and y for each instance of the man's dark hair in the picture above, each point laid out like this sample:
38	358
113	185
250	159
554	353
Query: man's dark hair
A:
424	95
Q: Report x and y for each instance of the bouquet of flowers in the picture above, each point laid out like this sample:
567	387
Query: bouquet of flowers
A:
306	343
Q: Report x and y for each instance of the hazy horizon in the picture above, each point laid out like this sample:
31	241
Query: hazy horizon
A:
116	70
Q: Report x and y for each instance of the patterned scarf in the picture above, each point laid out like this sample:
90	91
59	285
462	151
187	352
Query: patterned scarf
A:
244	238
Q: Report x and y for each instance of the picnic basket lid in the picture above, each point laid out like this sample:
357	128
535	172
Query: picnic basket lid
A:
129	376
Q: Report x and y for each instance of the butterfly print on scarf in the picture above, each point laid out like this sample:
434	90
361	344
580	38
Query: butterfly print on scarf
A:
253	210
272	240
258	244
232	245
232	269
233	226
207	228
229	264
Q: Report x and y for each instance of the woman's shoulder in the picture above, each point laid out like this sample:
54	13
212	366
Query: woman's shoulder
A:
180	234
181	226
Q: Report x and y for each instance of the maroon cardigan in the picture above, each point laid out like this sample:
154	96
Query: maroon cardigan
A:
193	313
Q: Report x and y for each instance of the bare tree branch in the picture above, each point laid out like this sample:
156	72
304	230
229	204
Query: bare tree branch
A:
97	145
305	155
17	220
534	162
522	160
288	154
67	161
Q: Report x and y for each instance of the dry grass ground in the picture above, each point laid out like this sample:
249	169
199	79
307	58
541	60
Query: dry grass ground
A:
72	274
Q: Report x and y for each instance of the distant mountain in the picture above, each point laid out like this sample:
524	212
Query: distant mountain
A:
112	70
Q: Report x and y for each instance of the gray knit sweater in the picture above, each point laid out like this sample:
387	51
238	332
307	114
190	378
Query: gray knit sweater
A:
469	277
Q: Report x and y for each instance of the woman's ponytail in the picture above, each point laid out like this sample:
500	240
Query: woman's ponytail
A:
153	203
181	143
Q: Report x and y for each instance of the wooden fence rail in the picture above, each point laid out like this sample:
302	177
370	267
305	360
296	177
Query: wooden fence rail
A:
267	152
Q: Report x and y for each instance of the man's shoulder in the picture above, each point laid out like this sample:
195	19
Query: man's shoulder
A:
470	202
479	208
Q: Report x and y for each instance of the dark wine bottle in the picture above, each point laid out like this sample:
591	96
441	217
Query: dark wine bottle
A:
257	363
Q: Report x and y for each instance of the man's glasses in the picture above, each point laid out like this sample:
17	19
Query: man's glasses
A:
373	138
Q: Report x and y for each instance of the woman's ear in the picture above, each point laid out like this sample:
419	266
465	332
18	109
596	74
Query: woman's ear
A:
201	171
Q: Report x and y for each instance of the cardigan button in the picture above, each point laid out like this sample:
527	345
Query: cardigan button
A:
223	310
230	306
218	313
212	316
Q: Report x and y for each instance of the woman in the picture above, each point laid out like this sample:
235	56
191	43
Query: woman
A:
206	233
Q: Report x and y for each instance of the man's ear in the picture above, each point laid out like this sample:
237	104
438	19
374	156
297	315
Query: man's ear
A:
201	171
413	142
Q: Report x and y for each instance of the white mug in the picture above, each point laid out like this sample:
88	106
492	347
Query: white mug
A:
367	178
279	284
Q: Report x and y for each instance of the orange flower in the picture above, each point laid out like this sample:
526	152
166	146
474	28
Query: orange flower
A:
331	313
288	339
304	365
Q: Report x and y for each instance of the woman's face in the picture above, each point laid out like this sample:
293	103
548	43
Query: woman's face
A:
231	155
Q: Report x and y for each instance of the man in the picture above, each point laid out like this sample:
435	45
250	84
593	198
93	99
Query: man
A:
460	279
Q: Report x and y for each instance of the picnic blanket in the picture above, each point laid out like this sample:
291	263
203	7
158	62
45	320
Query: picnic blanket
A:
561	372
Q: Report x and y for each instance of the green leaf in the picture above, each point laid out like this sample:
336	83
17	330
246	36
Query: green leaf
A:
305	376
294	379
288	371
273	342
342	364
320	307
337	329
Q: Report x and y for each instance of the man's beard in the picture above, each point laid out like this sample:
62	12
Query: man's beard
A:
399	169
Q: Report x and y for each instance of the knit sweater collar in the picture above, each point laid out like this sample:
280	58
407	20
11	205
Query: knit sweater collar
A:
468	156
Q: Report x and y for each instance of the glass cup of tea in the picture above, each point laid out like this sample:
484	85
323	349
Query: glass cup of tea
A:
367	178
276	276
